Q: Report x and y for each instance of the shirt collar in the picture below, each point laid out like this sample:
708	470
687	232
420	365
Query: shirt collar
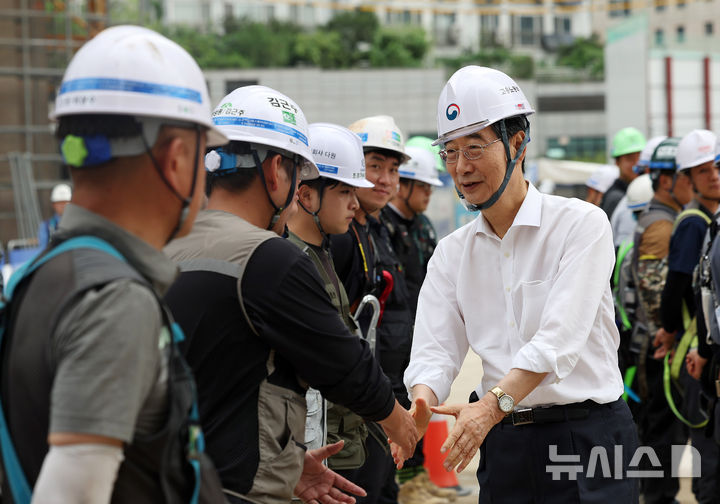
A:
395	209
528	215
149	262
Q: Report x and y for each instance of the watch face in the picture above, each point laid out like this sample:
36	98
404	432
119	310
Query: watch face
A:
506	403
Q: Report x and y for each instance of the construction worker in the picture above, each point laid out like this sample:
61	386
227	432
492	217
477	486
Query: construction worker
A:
327	206
695	164
623	219
599	182
59	198
703	363
627	145
98	403
657	425
412	234
260	324
367	264
638	198
527	286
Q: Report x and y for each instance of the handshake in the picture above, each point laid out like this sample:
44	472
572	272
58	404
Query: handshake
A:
405	428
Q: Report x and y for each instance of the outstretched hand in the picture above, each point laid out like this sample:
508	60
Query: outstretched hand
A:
472	423
401	430
421	414
320	485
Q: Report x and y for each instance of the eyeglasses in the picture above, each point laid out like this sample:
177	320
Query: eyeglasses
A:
471	152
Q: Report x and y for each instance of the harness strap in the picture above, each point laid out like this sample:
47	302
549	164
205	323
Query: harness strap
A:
22	494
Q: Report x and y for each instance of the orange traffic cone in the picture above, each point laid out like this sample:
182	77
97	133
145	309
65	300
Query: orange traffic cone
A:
435	436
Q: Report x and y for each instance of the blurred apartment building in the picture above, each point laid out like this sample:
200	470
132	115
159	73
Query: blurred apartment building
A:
468	25
38	38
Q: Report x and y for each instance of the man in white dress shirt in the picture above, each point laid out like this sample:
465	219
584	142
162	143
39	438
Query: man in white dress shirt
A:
526	286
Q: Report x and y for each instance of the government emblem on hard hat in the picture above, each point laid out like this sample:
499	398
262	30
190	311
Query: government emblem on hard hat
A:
452	111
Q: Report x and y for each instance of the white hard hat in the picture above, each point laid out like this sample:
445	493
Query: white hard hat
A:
647	152
695	148
130	70
381	132
420	167
338	154
476	97
602	178
640	192
262	116
60	193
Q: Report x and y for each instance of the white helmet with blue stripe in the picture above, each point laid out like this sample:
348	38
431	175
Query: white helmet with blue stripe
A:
380	132
265	118
338	154
421	166
130	70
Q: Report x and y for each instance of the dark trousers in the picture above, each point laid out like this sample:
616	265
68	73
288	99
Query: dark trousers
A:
659	429
514	460
376	476
707	487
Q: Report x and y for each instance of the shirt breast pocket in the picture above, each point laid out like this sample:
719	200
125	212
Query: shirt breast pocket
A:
529	304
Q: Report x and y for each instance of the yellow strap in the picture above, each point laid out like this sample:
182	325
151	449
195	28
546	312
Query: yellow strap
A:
668	395
689	338
686	342
690	212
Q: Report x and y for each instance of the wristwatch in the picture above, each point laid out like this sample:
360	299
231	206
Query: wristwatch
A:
505	402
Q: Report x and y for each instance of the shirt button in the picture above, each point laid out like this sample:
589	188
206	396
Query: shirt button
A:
507	289
512	324
507	254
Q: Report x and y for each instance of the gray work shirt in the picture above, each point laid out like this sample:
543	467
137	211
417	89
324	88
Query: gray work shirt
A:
111	346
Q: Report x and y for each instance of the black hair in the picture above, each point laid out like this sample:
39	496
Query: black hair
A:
655	177
320	184
384	152
109	125
241	179
513	125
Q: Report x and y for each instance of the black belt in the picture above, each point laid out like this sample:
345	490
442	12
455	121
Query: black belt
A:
550	414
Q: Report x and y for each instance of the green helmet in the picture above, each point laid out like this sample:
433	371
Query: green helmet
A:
627	141
427	144
663	158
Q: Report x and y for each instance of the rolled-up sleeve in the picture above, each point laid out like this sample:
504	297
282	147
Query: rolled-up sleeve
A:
439	342
573	303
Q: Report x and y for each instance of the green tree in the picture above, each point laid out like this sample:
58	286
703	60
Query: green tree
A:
263	45
398	47
321	48
518	66
584	54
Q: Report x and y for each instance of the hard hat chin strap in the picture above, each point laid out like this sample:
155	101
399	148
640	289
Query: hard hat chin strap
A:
316	218
407	200
291	192
185	201
508	169
672	191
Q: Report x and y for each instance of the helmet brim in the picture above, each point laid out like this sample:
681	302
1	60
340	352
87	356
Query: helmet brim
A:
216	138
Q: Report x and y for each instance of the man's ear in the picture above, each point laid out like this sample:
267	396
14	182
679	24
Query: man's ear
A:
306	195
403	190
515	144
272	166
174	159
